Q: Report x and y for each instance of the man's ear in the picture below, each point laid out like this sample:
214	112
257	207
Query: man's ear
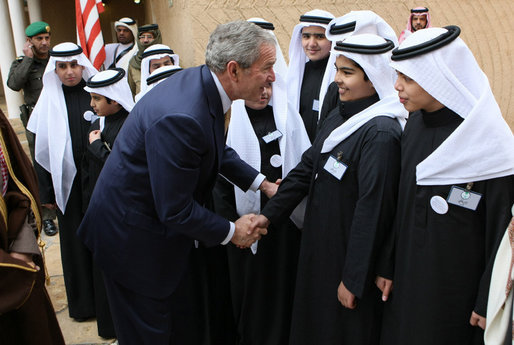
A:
233	70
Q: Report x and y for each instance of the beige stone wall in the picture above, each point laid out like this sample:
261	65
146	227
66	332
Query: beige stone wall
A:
186	25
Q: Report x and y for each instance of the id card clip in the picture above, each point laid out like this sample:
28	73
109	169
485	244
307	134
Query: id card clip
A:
464	197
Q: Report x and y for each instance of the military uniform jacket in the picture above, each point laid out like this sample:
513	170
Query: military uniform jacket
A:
27	73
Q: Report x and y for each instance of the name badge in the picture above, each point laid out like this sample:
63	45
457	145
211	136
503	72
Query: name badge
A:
464	198
272	136
315	105
335	167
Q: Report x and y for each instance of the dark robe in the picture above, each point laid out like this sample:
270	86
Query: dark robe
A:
201	304
98	151
76	258
93	161
443	262
330	102
27	316
309	95
345	225
262	285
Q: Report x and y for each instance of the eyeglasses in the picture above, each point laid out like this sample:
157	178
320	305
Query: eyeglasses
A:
146	36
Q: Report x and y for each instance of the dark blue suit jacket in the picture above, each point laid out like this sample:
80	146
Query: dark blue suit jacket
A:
147	206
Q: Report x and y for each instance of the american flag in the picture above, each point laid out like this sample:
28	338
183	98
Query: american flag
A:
89	31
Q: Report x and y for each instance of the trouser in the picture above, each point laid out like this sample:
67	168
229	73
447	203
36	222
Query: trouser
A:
138	319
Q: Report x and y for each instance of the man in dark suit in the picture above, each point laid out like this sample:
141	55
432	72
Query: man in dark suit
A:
147	207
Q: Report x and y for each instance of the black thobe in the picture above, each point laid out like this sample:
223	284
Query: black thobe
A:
93	161
442	261
309	95
346	223
330	102
98	151
262	285
76	258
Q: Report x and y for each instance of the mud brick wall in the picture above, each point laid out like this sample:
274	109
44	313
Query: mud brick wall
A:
486	27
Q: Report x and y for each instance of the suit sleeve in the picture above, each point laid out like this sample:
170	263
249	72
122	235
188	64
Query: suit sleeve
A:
378	176
175	173
224	199
236	170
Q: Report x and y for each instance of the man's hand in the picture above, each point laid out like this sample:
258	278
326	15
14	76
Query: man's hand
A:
245	234
27	49
269	188
385	285
26	258
259	222
346	298
95	135
477	320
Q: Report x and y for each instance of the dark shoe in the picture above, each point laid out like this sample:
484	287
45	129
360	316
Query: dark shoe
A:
49	227
81	319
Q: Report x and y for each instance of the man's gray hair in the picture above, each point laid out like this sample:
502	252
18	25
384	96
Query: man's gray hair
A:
239	41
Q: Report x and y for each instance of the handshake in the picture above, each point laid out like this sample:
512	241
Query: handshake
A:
249	228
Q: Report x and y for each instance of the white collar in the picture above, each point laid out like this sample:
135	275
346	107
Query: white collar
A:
225	100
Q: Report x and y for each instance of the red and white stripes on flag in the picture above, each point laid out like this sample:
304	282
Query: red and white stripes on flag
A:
89	31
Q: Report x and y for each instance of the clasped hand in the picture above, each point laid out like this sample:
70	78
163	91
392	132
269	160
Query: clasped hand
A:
249	228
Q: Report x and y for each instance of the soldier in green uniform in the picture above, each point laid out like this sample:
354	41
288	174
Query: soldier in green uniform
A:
26	74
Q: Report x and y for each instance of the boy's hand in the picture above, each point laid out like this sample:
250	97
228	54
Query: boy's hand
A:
346	298
94	135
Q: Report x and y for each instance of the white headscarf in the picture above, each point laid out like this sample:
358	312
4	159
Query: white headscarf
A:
281	64
376	67
123	62
298	59
294	141
145	62
163	72
49	121
365	22
118	91
481	147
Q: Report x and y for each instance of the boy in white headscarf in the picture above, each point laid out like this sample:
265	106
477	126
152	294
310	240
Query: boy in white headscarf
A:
268	135
350	175
308	56
111	100
456	190
154	57
61	140
352	23
156	77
